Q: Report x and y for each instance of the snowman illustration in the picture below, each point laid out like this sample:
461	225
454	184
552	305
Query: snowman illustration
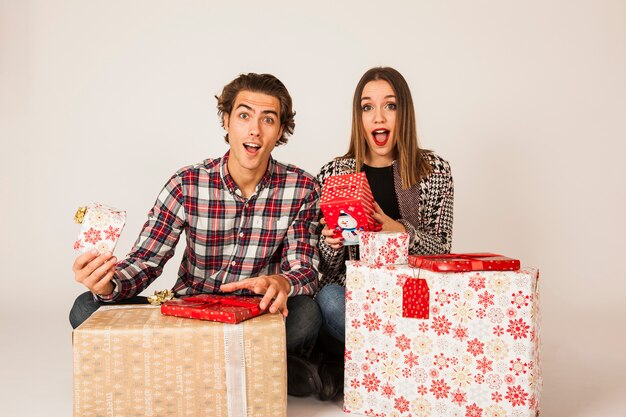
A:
348	226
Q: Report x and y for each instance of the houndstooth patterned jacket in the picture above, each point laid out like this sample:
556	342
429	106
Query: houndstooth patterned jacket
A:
425	210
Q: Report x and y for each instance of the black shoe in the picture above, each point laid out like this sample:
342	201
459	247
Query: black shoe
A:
331	375
302	377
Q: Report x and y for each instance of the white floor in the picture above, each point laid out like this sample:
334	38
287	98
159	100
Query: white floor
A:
36	371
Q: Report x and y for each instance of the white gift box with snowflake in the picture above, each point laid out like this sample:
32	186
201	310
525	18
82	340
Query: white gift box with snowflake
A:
384	248
101	227
474	354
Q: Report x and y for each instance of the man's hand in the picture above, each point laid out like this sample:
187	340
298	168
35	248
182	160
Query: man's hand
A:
389	224
327	235
275	287
95	272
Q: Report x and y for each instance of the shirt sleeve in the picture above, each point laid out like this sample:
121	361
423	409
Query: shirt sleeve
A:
300	256
155	244
434	234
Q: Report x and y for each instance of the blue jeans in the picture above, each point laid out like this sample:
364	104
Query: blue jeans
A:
332	302
301	326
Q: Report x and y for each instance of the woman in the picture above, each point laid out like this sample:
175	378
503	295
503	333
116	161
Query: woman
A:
412	187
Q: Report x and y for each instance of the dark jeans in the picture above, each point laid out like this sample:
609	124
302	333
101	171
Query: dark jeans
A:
301	326
332	302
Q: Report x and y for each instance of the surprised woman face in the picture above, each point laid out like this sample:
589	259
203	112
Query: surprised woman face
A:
378	112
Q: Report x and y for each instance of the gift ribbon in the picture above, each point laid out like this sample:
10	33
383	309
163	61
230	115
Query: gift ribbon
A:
160	297
235	370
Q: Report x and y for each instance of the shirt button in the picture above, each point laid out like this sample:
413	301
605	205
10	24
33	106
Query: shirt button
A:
241	234
233	263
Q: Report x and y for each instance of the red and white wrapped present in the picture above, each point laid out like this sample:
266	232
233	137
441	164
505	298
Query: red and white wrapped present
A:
213	307
384	248
437	344
348	204
101	227
460	262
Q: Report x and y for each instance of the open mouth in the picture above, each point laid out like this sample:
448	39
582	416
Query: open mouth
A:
380	136
252	148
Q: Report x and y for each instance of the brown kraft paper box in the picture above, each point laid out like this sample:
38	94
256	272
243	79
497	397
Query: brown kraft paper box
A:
133	361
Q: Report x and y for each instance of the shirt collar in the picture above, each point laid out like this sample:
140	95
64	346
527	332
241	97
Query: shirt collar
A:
231	185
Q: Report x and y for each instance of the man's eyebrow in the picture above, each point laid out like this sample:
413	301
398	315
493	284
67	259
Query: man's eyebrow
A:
252	110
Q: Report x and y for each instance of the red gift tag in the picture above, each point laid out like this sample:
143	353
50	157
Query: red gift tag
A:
415	298
462	262
223	308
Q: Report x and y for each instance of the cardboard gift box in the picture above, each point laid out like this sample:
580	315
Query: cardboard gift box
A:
384	248
223	308
460	262
347	204
101	227
134	361
436	344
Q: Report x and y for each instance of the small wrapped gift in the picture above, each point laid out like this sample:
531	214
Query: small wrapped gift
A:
101	227
223	308
462	262
384	248
348	204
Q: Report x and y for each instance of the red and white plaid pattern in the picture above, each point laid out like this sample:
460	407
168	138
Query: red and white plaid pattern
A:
227	237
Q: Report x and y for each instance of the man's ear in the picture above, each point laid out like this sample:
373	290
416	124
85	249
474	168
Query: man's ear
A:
226	121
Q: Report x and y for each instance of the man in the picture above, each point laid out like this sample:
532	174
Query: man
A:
250	224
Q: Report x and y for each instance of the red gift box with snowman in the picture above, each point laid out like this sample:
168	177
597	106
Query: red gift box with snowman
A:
347	204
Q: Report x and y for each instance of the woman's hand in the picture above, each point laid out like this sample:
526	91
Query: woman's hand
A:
389	224
327	236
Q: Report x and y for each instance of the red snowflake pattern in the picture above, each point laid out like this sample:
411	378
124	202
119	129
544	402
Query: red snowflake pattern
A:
92	236
496	397
348	295
403	343
459	397
78	244
401	279
475	347
423	327
388	391
520	300
441	325
477	282
480	313
484	365
485	299
422	390
372	322
391	255
518	367
112	233
433	373
479	378
498	331
389	329
440	361
518	329
516	395
460	333
440	389
442	298
370	382
473	411
406	372
354	383
347	355
411	360
371	355
401	404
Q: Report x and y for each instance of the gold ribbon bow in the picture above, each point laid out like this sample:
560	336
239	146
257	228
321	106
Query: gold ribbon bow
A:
80	215
160	297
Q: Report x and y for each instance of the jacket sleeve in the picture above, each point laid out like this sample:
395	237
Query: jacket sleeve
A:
433	235
332	261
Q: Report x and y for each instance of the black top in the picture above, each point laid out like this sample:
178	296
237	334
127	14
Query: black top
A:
383	190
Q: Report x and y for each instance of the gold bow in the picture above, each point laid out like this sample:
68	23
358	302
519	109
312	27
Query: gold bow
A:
80	215
160	297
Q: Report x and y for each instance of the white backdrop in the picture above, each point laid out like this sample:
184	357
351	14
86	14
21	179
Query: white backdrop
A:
104	100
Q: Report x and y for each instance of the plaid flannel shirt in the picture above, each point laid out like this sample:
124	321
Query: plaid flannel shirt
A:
228	237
